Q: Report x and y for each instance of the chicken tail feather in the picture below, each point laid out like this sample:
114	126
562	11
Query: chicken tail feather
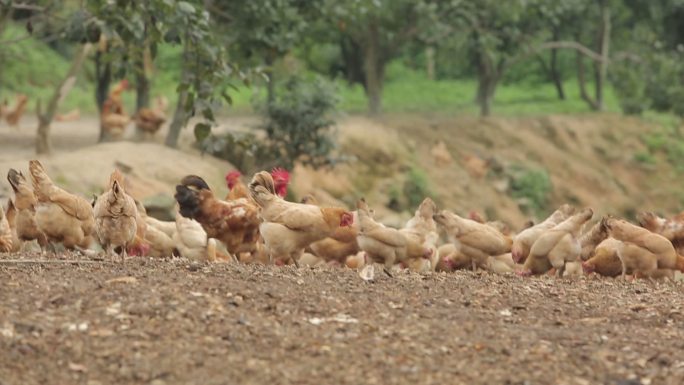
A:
261	184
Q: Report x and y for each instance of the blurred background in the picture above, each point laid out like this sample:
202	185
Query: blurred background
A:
504	108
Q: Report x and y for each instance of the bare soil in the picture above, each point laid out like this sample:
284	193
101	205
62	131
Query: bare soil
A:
173	322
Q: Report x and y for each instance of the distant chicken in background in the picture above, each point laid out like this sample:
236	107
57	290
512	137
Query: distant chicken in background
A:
25	203
150	120
63	217
70	116
115	217
113	117
475	165
237	189
6	237
441	154
14	114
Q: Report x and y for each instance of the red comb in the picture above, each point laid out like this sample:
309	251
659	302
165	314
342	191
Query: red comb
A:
281	174
233	174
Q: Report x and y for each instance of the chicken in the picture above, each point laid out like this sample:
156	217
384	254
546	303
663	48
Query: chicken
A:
341	244
451	258
593	237
190	239
113	117
356	261
477	241
150	120
475	165
422	230
557	246
502	264
70	116
25	204
440	154
604	260
13	115
61	216
11	215
237	189
643	252
288	227
672	229
524	240
6	236
383	244
309	199
116	217
234	223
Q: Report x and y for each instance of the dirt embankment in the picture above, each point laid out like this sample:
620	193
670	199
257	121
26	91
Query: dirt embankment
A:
588	160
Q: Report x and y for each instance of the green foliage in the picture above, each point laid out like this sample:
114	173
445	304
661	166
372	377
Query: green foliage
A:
532	186
298	122
416	187
645	158
298	128
630	86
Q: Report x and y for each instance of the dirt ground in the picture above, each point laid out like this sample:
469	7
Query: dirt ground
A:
173	322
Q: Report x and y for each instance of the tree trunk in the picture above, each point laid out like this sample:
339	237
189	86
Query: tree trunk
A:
430	62
601	68
373	69
581	82
555	74
180	119
43	144
103	78
487	80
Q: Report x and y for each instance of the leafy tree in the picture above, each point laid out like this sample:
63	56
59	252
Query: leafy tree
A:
372	32
262	31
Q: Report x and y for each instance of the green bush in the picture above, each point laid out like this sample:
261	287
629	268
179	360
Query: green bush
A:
531	185
630	85
298	123
416	187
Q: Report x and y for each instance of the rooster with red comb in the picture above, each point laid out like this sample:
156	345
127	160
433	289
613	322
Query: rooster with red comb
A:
237	189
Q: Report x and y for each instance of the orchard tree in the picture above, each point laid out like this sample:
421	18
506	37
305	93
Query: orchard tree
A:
372	33
131	28
263	31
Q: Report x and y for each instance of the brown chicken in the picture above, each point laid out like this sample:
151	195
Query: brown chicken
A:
113	117
63	217
13	114
642	252
477	241
340	245
451	258
191	239
604	260
70	116
557	246
288	227
524	240
592	238
6	236
150	120
234	223
115	217
25	204
383	244
11	215
672	228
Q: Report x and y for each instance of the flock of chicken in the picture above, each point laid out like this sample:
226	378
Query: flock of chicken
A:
255	224
113	117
